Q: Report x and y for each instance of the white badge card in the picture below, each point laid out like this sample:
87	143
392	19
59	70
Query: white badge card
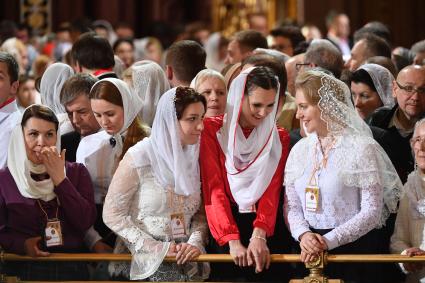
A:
178	229
53	234
312	198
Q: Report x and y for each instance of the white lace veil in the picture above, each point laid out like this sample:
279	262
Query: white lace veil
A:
149	83
250	162
362	161
51	85
173	166
383	82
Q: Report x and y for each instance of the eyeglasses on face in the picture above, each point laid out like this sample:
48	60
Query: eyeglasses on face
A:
411	89
298	66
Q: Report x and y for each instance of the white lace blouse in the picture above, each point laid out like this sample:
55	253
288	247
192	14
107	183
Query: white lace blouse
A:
351	211
138	210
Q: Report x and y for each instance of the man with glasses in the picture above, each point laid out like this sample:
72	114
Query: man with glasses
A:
409	91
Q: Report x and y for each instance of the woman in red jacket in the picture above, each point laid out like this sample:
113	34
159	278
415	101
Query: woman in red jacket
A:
242	159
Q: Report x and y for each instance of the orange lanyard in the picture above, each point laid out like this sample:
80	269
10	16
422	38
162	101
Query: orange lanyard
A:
45	213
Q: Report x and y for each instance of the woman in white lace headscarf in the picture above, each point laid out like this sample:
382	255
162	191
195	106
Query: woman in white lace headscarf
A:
212	86
409	238
115	108
50	87
154	201
340	184
149	82
371	88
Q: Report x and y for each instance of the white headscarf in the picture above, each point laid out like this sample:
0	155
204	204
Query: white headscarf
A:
149	83
131	107
51	85
20	167
212	49
259	153
173	166
383	82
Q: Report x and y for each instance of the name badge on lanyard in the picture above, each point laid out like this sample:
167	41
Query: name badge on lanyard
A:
312	198
178	229
53	233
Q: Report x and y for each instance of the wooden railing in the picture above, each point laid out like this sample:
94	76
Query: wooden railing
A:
315	267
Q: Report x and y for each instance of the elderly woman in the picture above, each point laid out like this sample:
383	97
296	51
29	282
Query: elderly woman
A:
371	88
340	184
46	204
212	85
408	238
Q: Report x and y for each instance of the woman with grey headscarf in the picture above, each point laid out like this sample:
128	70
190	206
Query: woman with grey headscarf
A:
50	87
371	88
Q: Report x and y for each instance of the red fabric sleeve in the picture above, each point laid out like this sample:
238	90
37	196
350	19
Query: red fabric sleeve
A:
267	206
214	183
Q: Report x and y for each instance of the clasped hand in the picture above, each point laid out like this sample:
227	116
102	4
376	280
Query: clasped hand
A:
183	252
257	254
311	245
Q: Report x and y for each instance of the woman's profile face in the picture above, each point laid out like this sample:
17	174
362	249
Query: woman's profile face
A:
365	99
38	133
309	114
109	116
191	123
418	146
214	91
256	106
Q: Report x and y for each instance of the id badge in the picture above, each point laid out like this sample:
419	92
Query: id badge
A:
53	234
312	198
178	229
250	209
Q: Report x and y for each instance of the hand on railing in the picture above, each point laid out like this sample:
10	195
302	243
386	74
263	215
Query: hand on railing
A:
238	252
33	247
311	244
258	253
413	266
186	252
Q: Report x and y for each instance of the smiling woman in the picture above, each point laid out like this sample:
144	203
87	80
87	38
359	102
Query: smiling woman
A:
242	160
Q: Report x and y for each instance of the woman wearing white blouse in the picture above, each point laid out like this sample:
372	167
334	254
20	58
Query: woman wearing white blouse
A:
154	201
409	236
340	184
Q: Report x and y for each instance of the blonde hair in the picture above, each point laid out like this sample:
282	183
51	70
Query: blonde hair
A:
310	84
205	74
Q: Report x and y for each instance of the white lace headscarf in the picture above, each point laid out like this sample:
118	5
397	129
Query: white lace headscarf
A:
149	83
131	107
362	161
51	85
383	82
21	167
250	162
174	166
212	48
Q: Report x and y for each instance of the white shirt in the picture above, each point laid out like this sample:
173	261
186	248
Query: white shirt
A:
350	211
9	117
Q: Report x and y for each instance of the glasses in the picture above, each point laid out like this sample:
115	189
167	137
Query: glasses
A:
411	89
417	140
298	66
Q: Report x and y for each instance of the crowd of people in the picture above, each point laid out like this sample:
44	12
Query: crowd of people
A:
265	142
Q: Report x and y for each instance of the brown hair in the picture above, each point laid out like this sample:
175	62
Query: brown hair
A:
310	84
108	91
186	96
41	112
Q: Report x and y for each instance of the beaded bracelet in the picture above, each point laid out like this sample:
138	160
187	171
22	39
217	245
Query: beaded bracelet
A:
258	237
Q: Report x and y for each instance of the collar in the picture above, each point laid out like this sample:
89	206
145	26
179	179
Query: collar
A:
10	100
102	71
